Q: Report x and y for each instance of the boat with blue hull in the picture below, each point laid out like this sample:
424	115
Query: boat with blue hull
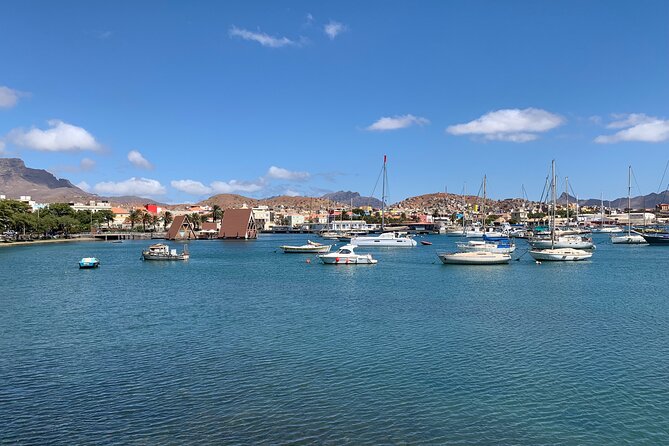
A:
658	238
89	263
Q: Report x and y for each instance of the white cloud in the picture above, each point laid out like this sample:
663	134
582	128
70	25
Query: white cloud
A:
9	97
261	38
629	120
636	127
280	173
87	164
333	29
234	186
191	187
132	186
84	186
513	125
397	122
292	193
138	160
60	137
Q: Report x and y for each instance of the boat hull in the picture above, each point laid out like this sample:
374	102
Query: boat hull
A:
343	260
560	255
306	249
165	258
474	258
384	241
657	239
632	239
562	244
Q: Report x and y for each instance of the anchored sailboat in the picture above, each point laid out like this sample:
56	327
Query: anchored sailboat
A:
629	238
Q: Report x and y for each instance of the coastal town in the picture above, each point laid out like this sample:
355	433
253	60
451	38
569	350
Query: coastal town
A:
22	218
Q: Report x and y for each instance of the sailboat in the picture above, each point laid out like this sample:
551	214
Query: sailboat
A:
385	239
605	229
629	238
553	253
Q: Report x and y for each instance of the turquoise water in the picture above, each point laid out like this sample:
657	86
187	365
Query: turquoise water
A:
246	345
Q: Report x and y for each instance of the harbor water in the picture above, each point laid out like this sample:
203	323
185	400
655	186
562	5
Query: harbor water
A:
243	344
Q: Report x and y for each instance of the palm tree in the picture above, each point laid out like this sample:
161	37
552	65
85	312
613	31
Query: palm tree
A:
155	219
196	220
216	212
135	216
167	219
146	219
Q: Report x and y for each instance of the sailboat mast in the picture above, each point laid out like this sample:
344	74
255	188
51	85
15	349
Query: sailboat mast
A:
566	189
483	205
601	218
553	193
383	195
629	201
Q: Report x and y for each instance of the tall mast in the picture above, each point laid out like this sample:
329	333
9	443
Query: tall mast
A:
553	193
629	201
601	219
464	206
483	205
383	195
566	189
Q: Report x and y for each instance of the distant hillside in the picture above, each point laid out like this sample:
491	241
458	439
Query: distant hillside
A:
347	196
227	201
648	201
16	179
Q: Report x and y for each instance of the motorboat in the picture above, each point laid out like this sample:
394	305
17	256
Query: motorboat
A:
501	245
309	248
89	263
386	239
474	232
474	258
607	230
161	251
656	238
346	256
563	241
456	232
560	254
631	238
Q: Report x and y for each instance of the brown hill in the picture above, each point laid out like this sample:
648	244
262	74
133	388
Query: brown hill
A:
16	179
227	201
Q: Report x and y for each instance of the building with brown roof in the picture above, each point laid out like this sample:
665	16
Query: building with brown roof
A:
181	229
238	224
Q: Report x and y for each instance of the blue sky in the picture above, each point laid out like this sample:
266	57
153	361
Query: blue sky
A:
179	101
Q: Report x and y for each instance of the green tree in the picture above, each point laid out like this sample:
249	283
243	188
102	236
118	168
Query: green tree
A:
146	220
196	219
61	209
216	212
167	219
135	216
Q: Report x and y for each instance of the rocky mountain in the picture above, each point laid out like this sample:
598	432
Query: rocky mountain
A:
16	179
648	201
346	197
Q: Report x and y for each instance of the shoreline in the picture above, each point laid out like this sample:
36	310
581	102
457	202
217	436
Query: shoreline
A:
41	242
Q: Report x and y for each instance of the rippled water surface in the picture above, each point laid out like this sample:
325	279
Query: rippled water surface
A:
245	345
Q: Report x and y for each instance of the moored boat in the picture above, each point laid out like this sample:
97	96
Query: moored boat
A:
346	256
309	248
89	263
387	239
657	238
564	241
560	254
473	258
160	251
628	239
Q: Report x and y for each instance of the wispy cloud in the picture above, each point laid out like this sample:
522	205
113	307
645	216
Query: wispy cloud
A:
60	137
2	147
9	97
397	122
198	188
261	38
131	186
138	160
514	125
636	127
84	186
86	164
280	173
333	29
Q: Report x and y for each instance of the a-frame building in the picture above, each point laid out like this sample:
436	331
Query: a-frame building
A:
181	229
238	224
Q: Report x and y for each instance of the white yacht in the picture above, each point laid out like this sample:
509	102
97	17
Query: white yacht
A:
631	238
392	239
562	241
501	245
474	258
386	239
309	248
346	256
548	249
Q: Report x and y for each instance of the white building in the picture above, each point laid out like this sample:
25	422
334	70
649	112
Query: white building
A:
294	220
348	225
93	206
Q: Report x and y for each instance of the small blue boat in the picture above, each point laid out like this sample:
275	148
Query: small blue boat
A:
88	263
